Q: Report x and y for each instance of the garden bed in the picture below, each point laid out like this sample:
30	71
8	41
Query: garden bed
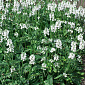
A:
42	43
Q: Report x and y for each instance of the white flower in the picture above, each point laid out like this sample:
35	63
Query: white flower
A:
79	29
16	5
36	28
3	16
9	42
71	55
5	34
7	5
34	10
46	31
72	24
23	56
80	37
82	44
50	40
51	6
43	41
38	48
1	4
31	62
51	16
10	49
23	26
12	69
58	43
18	12
73	46
44	48
16	34
56	57
79	58
53	28
43	52
32	57
52	50
70	31
51	60
43	59
64	74
58	24
1	39
43	65
56	64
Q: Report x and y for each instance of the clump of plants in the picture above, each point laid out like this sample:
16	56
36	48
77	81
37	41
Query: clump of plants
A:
41	42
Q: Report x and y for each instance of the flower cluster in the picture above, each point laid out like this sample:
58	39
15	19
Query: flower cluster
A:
32	59
23	56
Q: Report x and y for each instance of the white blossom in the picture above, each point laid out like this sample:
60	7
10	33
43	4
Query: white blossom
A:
56	64
12	69
58	24
46	31
64	74
34	10
3	17
58	43
10	49
38	48
23	56
72	24
9	42
50	40
5	34
23	26
1	39
80	37
7	5
51	6
31	62
71	55
16	6
79	58
43	52
52	50
73	46
70	31
43	41
56	57
53	28
1	4
36	28
79	29
43	59
51	60
81	44
51	16
43	65
32	57
16	34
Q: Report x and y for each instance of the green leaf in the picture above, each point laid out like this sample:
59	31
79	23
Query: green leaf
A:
0	51
49	80
58	76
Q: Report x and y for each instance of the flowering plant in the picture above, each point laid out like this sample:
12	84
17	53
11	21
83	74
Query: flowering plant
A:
41	42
